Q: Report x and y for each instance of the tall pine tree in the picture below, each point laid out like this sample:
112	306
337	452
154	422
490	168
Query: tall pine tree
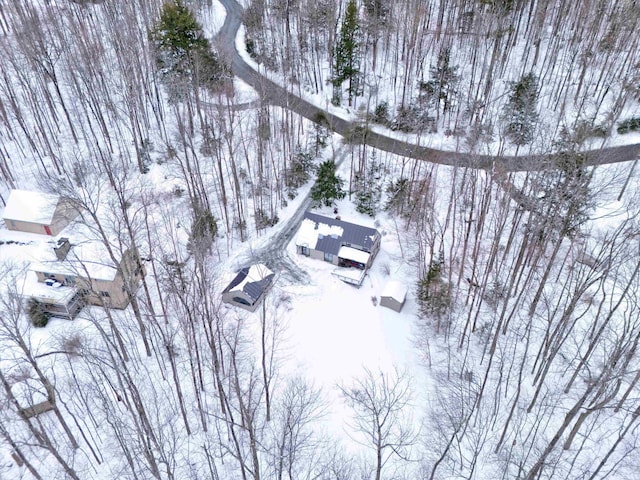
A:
346	54
184	57
520	113
441	89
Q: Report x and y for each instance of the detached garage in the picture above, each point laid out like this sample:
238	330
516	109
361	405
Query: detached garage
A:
393	295
248	289
37	212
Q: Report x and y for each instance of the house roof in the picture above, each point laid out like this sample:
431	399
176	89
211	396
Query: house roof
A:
87	258
253	281
329	234
353	254
42	292
32	207
83	261
396	290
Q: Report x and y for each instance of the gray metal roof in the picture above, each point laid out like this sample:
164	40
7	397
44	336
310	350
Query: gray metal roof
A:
352	234
253	289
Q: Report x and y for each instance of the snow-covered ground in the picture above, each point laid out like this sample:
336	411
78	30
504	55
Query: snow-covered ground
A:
328	332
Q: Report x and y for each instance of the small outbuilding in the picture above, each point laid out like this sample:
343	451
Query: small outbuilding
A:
248	289
37	212
393	295
34	396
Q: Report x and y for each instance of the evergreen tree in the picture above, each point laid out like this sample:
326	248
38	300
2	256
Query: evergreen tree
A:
567	198
519	114
369	188
433	291
321	128
397	196
346	54
299	171
328	186
203	231
183	54
444	78
381	114
37	314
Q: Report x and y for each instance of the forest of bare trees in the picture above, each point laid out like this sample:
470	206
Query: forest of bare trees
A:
527	284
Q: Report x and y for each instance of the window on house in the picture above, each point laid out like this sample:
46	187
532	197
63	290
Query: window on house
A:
69	280
105	294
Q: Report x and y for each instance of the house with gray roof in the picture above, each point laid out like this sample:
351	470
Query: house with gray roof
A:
341	243
249	287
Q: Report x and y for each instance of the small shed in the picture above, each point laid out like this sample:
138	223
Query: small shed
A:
37	212
33	396
393	295
249	287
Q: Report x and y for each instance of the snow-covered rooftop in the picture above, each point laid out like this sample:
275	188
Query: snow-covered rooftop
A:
253	280
395	290
87	258
310	231
329	234
256	273
28	206
29	391
58	295
349	253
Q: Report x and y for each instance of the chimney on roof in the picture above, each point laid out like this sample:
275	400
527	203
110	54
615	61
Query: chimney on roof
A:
62	249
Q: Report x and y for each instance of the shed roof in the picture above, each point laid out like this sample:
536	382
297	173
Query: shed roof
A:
253	281
29	391
329	234
396	290
32	207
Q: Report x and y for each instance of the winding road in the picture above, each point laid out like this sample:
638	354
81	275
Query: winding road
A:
275	94
274	254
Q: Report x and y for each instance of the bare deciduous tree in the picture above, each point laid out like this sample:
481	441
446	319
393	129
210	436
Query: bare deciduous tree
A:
380	404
